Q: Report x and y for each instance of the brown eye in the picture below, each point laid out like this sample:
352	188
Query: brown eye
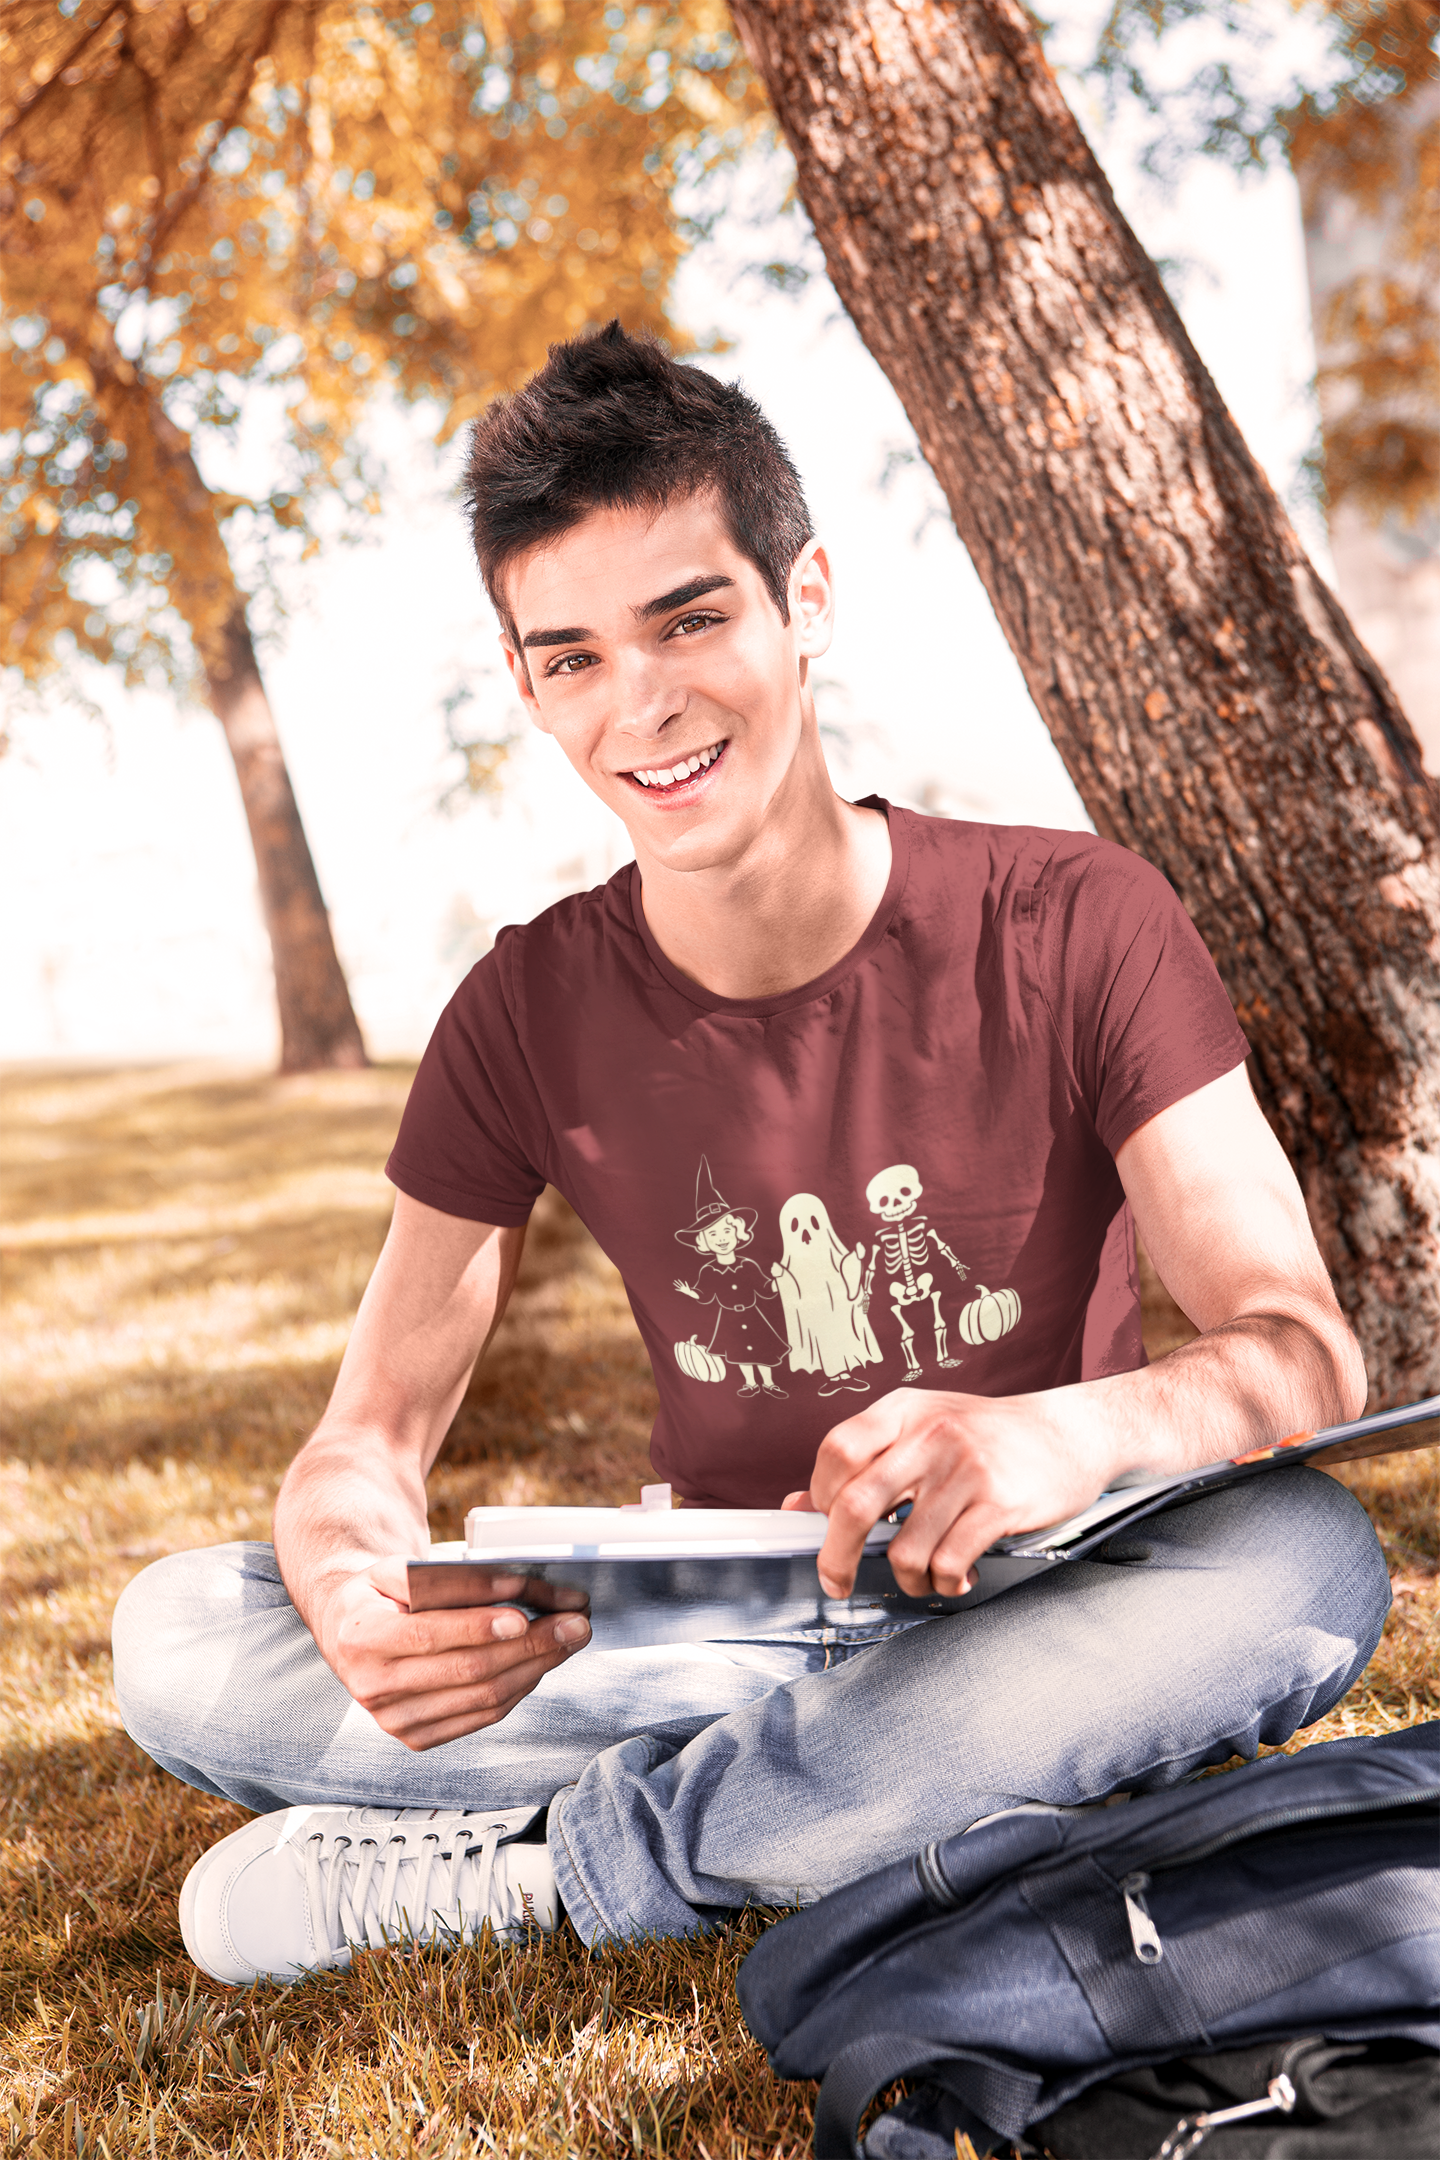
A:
814	1222
794	1222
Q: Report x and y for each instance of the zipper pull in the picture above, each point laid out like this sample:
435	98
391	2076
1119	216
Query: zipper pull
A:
1192	2130
1143	1932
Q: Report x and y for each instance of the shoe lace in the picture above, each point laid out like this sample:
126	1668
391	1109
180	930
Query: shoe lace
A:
365	1893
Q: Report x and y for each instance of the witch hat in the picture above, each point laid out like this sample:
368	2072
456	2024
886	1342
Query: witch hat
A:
710	1205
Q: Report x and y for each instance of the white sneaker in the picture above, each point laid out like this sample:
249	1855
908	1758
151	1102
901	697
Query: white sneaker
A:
296	1891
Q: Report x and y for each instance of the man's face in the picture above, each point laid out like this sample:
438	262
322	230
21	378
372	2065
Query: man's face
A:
658	661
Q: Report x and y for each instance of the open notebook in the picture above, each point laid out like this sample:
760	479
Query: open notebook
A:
654	1574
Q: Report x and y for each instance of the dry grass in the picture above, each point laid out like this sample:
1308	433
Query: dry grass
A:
185	1249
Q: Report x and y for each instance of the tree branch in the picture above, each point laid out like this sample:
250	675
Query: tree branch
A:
25	106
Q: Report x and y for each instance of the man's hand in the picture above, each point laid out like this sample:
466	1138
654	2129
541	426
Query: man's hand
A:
355	1494
429	1677
1222	1217
975	1468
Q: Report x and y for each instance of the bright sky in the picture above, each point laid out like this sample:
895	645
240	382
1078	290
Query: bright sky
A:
126	877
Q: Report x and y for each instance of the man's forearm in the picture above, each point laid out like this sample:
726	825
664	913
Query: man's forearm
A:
1250	1381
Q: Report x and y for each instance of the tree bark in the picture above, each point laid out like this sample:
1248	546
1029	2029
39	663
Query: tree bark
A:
1211	702
1387	566
318	1027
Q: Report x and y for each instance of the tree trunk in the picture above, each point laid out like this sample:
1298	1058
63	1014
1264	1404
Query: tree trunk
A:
1380	389
317	1022
1211	702
318	1027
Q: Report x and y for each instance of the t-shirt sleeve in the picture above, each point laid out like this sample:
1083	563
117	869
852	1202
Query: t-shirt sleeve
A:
472	1139
1135	997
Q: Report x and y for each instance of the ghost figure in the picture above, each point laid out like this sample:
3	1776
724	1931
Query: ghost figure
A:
819	1284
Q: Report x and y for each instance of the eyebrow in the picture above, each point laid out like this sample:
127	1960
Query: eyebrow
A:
682	596
555	637
695	589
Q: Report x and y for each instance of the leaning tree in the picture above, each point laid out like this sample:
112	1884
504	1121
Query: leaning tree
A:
1210	700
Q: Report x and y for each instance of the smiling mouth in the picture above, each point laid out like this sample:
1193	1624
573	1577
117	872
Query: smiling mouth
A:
686	772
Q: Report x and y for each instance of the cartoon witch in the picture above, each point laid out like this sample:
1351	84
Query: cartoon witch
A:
743	1333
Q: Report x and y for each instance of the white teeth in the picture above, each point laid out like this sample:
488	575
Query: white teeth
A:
660	776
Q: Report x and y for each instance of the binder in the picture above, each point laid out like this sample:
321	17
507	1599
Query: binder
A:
653	1574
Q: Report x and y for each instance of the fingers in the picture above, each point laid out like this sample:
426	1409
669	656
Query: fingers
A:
414	1698
428	1676
936	1549
911	1445
865	1468
849	1448
484	1586
426	1721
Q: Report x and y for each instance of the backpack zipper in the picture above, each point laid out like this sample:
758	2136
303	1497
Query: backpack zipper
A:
1143	1932
1286	1818
1145	1936
1192	2130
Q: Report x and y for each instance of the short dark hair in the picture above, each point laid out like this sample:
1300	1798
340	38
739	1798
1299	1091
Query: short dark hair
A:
613	421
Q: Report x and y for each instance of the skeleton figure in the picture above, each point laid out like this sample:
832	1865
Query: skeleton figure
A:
904	1246
819	1285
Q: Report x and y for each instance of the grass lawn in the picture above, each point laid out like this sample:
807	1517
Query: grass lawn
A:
184	1249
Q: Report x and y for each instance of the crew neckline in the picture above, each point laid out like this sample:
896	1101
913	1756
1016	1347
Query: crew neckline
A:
804	993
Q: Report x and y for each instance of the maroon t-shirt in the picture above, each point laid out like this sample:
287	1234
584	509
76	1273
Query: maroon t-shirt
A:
904	1170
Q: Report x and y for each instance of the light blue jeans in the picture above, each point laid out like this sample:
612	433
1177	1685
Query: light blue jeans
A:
690	1779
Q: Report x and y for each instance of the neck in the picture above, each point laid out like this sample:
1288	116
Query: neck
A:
787	909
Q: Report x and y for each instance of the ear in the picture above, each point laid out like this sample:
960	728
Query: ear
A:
520	676
812	601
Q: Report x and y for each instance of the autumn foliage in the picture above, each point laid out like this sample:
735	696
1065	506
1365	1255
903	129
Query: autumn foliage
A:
1364	128
288	207
202	202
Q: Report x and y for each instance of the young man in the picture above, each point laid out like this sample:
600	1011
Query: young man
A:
865	1107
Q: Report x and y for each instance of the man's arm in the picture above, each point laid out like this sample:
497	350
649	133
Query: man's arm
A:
352	1506
1222	1218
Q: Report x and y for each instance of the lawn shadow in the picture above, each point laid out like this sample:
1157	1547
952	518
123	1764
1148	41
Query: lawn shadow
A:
96	1843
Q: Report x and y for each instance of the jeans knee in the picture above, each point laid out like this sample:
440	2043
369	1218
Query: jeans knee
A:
1332	1573
161	1621
1341	1536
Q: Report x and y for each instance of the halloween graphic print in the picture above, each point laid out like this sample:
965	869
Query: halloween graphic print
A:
813	1308
744	1297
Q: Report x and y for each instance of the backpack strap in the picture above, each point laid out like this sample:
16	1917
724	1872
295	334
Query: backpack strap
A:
854	2077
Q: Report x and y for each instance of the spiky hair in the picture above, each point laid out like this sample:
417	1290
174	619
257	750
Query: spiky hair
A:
613	421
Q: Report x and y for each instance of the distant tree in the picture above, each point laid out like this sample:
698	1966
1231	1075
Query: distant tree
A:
1362	136
324	201
1212	703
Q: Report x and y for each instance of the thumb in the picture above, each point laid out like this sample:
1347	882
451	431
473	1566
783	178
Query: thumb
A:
390	1579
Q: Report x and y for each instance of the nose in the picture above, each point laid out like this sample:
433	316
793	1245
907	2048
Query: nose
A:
645	700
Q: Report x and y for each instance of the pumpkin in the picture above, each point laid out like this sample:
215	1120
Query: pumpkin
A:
992	1314
701	1364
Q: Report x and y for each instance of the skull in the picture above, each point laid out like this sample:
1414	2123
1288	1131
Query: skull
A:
893	1193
